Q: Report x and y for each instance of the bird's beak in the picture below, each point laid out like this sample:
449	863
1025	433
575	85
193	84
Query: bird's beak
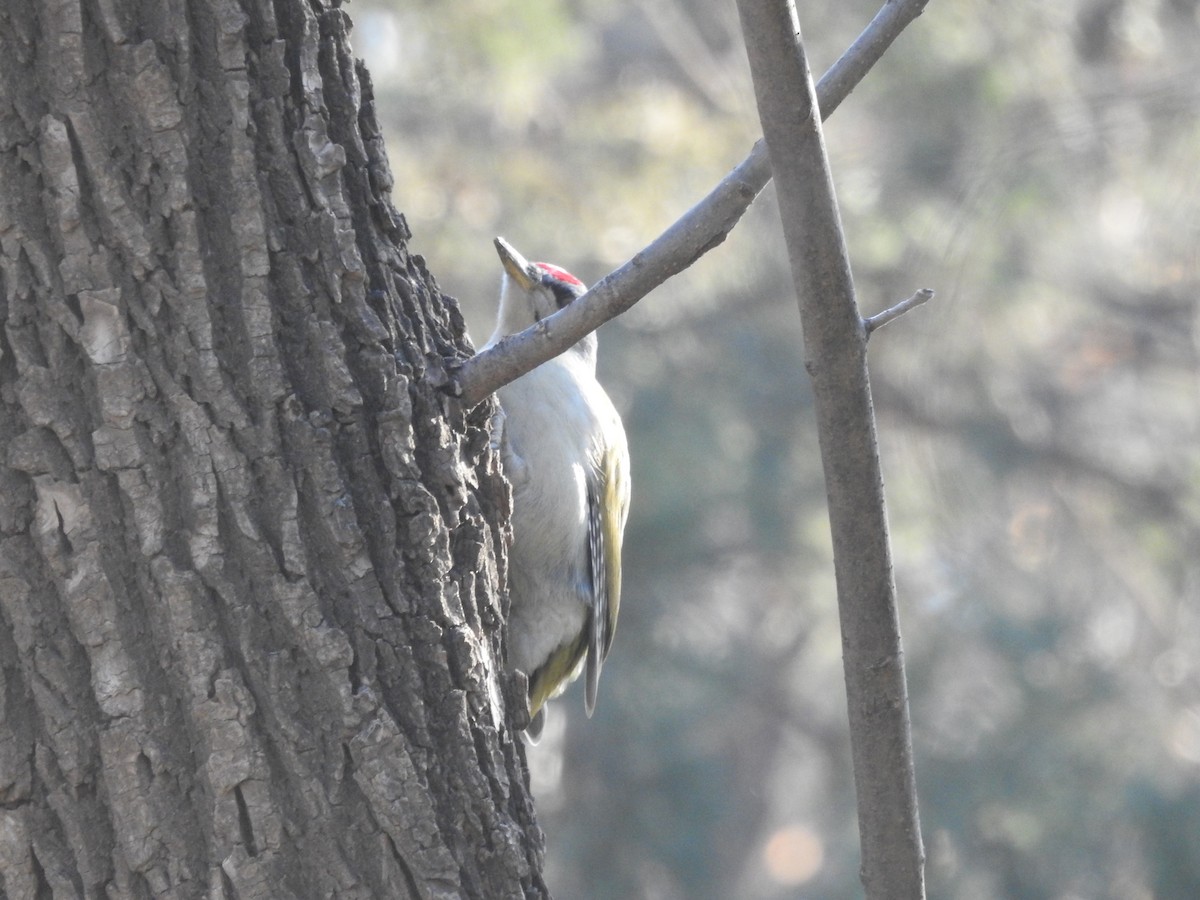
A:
521	270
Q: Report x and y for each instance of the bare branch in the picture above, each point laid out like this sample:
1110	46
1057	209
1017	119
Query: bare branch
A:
701	228
871	323
835	349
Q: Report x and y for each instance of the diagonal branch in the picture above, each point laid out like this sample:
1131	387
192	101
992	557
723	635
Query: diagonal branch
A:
701	228
835	350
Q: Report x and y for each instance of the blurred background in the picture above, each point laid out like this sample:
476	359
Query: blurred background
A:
1038	165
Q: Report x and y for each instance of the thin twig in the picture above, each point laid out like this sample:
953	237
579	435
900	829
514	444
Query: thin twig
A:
701	228
871	323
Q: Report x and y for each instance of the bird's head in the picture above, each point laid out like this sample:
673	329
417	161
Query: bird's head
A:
531	291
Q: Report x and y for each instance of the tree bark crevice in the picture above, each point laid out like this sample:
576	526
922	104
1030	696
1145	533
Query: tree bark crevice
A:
246	551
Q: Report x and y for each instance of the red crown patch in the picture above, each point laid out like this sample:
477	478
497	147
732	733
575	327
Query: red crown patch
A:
558	274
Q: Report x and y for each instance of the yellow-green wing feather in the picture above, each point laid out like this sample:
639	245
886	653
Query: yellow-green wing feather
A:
616	511
608	507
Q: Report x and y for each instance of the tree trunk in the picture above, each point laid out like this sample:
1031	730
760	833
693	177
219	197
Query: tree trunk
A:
249	568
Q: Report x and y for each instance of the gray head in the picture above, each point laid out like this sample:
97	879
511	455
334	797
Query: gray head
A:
531	291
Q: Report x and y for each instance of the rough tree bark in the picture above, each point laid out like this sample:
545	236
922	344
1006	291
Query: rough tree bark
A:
248	585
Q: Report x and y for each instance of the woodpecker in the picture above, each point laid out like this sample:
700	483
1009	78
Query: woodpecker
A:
564	451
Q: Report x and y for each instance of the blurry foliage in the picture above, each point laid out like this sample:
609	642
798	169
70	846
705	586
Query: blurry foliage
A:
1036	164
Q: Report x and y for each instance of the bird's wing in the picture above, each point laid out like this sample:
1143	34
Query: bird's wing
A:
608	507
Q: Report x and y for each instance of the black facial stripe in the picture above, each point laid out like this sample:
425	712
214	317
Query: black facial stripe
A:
563	293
